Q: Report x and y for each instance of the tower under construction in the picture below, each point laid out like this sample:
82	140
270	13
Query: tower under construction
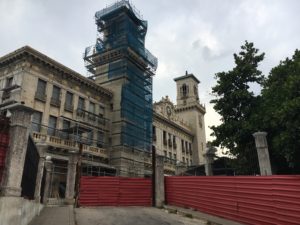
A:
120	62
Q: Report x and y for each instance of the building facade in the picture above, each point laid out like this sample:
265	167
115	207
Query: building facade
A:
105	124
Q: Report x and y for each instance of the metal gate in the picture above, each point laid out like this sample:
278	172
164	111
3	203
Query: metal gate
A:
115	191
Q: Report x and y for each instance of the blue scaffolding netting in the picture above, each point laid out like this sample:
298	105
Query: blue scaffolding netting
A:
122	29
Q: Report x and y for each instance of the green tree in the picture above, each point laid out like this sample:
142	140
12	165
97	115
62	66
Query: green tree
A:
281	114
237	105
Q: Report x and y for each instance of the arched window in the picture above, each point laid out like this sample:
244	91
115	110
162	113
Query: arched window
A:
184	90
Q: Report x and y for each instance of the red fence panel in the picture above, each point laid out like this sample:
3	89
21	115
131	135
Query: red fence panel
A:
262	200
115	191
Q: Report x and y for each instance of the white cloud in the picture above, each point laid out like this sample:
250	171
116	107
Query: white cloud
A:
198	36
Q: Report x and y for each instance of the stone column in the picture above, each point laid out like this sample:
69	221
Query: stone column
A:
263	153
159	182
71	178
48	170
42	148
209	158
18	138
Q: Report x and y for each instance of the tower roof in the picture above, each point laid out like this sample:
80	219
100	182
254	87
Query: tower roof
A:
187	75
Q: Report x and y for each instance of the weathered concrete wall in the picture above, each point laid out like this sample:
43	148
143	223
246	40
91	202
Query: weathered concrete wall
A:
18	211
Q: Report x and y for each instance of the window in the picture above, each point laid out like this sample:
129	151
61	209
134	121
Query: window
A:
66	126
165	137
92	111
187	161
36	121
183	159
92	107
69	101
182	145
52	125
186	147
154	133
174	142
101	110
175	156
9	82
191	162
100	138
80	103
90	137
170	155
184	90
190	148
55	99
170	140
165	152
41	90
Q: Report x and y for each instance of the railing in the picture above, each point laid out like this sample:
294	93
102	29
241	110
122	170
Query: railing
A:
117	5
89	117
68	144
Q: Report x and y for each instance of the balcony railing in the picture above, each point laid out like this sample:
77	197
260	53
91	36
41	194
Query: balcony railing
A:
68	144
89	117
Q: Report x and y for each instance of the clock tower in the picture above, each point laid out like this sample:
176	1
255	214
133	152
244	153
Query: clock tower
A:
189	107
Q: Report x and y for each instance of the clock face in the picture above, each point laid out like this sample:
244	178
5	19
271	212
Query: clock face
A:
168	110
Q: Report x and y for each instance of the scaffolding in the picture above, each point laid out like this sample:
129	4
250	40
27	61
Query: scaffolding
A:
121	46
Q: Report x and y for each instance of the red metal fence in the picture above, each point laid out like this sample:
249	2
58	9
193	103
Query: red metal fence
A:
261	200
115	191
4	140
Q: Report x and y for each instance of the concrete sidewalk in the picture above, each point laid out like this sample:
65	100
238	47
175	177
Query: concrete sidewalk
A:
63	215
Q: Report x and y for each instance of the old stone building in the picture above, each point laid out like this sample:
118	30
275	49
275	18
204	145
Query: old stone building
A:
102	125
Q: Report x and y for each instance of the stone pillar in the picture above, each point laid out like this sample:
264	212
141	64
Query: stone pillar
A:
71	178
263	153
159	182
209	158
42	148
18	138
48	170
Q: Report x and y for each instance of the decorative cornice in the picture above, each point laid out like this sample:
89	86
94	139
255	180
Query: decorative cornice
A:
198	107
28	51
175	125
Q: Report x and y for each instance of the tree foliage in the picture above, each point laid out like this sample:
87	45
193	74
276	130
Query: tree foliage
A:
281	114
276	110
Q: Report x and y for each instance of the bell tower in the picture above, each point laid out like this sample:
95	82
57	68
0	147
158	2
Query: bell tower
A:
187	89
189	107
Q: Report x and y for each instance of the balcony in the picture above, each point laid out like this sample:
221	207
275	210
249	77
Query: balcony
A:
89	117
70	145
40	96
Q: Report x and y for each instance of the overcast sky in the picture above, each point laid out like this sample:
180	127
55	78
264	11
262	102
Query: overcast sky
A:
195	35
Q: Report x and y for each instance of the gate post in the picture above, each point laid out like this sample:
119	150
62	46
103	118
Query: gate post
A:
209	158
263	153
159	182
18	139
42	147
71	177
48	169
